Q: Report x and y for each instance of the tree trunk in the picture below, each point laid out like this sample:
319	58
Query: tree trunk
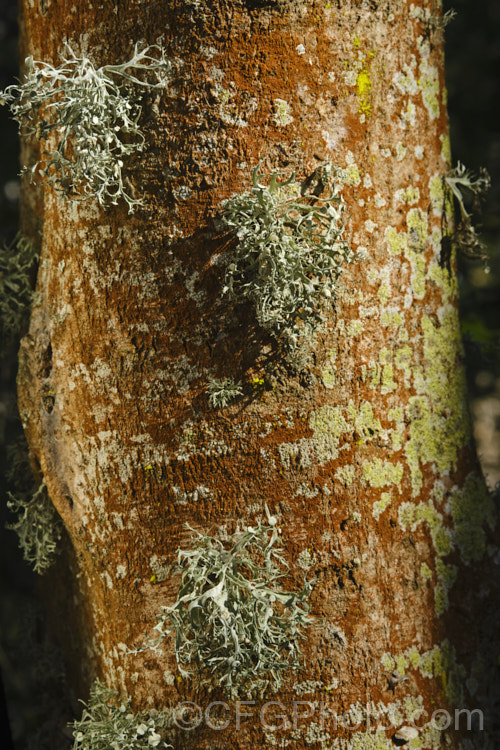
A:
364	454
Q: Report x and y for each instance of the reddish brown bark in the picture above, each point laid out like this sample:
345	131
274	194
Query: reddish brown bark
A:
131	326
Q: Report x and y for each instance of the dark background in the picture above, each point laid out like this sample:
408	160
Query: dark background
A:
30	669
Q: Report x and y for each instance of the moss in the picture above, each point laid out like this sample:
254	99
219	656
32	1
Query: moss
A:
378	473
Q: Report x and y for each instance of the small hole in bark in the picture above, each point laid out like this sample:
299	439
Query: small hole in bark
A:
48	403
70	501
45	362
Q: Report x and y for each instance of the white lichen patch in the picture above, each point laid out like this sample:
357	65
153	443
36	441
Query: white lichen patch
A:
409	195
282	113
351	175
429	82
380	505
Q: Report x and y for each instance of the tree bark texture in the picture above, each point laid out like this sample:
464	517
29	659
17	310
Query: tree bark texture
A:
365	455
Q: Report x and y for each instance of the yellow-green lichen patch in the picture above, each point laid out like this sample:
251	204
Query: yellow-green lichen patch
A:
406	81
391	317
471	508
282	113
397	242
328	371
409	195
328	376
411	515
363	89
345	474
378	473
388	662
355	328
328	424
429	83
387	380
380	505
384	293
425	571
400	151
446	576
441	276
446	148
436	190
402	360
438	663
351	175
365	423
410	113
417	223
439	424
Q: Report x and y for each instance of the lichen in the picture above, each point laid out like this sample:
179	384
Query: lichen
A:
378	473
364	86
380	505
471	508
438	419
282	113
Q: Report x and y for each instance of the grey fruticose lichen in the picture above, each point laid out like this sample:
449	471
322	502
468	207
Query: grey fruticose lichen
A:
86	120
17	262
290	250
222	392
231	619
38	527
104	725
